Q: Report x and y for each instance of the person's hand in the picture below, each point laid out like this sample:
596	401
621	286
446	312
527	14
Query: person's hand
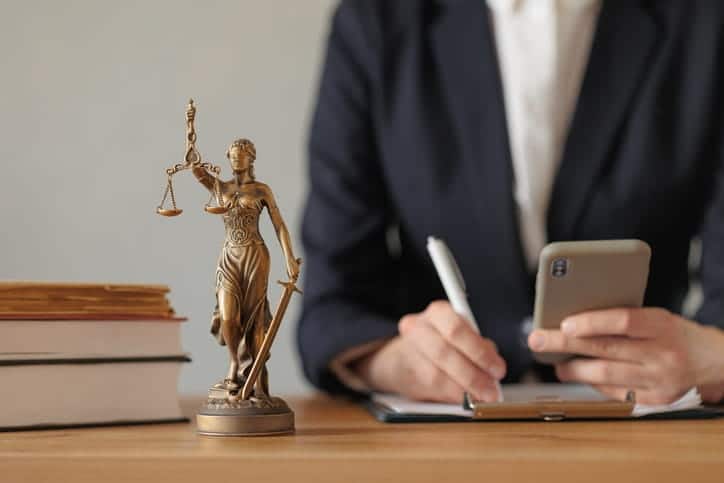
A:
651	351
436	357
712	393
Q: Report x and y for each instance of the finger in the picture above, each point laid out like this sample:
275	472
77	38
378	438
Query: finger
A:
605	347
659	395
458	332
712	393
654	396
433	384
603	372
631	322
453	363
418	378
614	392
450	361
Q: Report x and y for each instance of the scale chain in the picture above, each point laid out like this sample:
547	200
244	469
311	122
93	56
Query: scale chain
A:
173	196
165	195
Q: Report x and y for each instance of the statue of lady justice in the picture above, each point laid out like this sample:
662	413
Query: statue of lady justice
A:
242	320
242	316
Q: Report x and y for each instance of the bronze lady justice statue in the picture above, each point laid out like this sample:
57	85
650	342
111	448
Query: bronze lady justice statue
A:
242	316
242	319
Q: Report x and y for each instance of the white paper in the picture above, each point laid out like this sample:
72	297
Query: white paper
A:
691	399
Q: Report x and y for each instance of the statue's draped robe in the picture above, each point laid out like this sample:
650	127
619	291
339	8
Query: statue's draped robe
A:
243	272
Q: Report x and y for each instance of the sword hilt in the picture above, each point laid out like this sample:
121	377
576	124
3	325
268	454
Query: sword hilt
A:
292	284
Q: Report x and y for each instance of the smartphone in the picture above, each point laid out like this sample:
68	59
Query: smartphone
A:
579	276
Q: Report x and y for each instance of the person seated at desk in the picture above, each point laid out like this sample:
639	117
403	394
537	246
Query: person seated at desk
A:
502	125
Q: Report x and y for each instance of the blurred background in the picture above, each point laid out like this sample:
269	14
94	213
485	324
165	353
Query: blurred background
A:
91	113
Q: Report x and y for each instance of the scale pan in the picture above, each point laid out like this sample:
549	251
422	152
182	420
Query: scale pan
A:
216	210
168	212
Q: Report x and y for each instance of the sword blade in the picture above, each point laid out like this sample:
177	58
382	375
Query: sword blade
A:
260	358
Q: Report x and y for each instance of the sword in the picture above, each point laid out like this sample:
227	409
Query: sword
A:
289	288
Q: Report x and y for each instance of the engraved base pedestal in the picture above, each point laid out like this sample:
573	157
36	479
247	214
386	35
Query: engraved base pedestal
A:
256	417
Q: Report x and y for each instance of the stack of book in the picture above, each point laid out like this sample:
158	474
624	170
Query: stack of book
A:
76	354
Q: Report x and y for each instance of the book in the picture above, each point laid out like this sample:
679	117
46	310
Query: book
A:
395	408
49	300
106	338
79	354
67	392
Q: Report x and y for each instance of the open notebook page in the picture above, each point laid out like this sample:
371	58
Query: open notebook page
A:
527	392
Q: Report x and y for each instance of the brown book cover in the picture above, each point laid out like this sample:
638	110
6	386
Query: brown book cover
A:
28	300
13	288
62	316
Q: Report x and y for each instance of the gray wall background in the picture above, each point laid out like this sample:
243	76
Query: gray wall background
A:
92	103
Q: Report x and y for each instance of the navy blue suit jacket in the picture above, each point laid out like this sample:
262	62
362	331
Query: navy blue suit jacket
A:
409	140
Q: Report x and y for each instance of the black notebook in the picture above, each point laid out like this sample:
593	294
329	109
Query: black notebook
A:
549	402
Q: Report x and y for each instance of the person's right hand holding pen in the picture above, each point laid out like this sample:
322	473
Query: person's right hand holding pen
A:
438	355
454	284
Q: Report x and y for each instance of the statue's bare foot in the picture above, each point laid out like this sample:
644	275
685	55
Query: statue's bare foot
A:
260	402
228	385
261	396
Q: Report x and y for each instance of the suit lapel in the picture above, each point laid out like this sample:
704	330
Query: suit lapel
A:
622	48
465	54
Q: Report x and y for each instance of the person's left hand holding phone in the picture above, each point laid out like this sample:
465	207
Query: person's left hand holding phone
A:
658	354
436	357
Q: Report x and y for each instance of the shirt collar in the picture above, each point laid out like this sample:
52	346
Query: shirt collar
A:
515	5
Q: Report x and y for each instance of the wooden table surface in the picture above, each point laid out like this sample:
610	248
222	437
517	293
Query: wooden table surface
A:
337	441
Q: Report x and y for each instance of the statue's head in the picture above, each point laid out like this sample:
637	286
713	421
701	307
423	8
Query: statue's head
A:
242	154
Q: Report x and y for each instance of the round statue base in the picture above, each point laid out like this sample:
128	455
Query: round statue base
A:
245	418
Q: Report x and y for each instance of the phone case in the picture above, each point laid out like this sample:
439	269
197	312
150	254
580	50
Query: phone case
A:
579	276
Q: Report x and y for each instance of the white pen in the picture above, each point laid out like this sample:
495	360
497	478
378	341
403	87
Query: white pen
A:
454	285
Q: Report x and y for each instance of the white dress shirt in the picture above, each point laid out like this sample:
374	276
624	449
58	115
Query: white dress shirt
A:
543	48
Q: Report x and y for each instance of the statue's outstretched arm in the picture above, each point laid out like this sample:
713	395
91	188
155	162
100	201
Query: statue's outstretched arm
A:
282	234
204	177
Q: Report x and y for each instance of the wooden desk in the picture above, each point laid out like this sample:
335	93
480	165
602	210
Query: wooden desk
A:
339	442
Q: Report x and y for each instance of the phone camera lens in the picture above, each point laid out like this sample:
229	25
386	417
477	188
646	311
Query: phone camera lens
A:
559	267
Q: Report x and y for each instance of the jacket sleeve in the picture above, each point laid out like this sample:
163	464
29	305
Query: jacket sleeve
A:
349	296
711	269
